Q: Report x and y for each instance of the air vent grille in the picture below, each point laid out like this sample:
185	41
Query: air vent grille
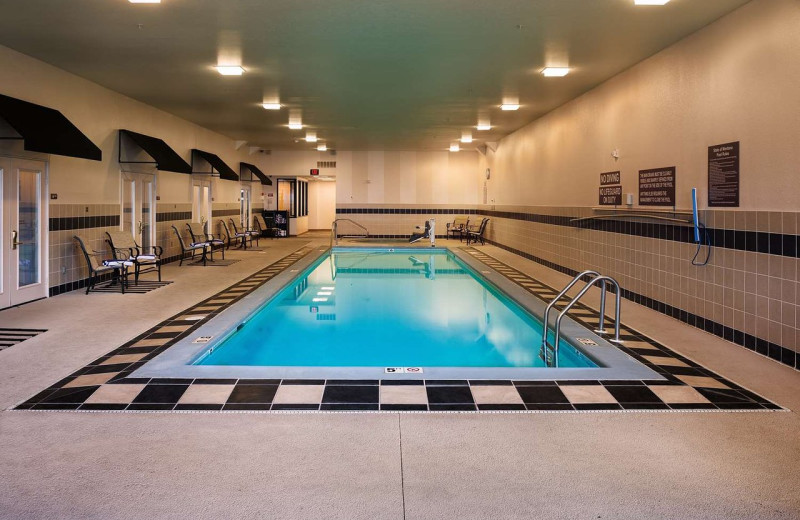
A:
326	164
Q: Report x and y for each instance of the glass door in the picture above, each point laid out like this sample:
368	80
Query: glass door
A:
244	208
201	202
138	207
24	251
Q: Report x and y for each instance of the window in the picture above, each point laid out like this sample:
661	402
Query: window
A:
293	197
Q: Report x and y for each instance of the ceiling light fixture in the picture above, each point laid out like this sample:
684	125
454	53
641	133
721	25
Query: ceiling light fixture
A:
311	137
509	106
271	106
466	137
322	147
484	126
555	72
230	70
650	2
454	148
295	124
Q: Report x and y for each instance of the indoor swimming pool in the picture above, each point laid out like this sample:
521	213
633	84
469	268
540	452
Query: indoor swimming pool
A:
399	312
381	308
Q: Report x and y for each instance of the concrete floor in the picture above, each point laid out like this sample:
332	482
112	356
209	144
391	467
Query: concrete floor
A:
573	465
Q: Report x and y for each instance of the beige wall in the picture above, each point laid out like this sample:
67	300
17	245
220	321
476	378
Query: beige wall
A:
735	80
383	177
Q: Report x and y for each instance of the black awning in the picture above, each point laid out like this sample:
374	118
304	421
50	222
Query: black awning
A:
46	130
215	165
163	156
255	171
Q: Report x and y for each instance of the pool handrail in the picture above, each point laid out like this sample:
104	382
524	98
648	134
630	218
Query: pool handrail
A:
595	277
335	226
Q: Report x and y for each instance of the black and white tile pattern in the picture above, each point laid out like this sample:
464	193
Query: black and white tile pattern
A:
106	384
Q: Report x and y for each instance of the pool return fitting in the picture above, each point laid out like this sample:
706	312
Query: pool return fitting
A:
593	278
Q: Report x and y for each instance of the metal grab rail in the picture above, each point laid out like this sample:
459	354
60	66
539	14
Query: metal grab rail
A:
596	277
335	226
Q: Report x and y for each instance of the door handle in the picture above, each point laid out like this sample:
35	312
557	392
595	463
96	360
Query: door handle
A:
14	242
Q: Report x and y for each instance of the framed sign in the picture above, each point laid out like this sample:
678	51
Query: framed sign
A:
723	175
657	187
611	196
609	178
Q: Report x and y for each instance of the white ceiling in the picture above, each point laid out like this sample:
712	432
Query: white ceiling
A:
365	74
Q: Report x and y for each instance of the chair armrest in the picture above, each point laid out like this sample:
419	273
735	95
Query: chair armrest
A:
157	250
120	251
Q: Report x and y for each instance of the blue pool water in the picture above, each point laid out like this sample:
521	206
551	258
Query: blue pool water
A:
378	308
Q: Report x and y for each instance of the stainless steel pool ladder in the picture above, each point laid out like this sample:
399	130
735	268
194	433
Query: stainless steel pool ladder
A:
594	278
335	230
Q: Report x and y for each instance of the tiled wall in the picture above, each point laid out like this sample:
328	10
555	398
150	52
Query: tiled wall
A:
68	270
397	221
748	293
67	265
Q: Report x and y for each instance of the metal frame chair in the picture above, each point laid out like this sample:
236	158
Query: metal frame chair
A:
118	269
192	248
124	247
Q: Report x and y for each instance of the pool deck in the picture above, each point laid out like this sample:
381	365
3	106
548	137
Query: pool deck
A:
378	465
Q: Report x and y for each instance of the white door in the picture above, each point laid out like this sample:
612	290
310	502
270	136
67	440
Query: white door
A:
201	202
244	208
138	208
23	258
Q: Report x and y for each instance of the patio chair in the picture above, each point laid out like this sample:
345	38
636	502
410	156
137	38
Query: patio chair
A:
475	233
457	227
191	248
118	269
199	235
124	247
266	227
234	236
251	234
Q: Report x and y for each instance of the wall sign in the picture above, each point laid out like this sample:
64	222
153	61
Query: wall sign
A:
609	178
723	175
314	171
611	196
657	187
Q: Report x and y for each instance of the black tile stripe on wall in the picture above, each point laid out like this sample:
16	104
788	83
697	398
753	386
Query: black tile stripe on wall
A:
68	223
753	241
405	211
223	212
767	348
173	215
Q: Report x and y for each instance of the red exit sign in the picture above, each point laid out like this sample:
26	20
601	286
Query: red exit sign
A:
314	171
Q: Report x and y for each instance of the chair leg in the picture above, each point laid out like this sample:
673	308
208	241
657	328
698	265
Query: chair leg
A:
158	264
89	283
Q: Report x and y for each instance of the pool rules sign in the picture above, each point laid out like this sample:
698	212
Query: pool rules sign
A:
723	175
657	187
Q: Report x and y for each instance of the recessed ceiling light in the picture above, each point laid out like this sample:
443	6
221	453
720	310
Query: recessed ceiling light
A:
322	147
466	137
650	2
454	148
311	137
484	126
230	70
271	106
555	72
296	125
509	106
